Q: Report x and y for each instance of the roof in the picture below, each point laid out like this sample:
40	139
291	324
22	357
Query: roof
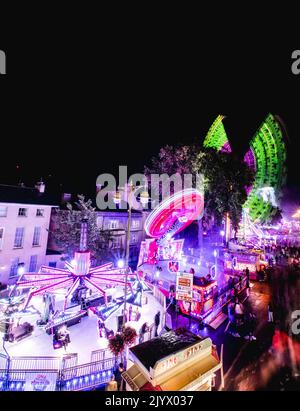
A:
149	352
26	195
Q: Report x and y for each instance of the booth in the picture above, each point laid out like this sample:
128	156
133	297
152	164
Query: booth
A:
174	361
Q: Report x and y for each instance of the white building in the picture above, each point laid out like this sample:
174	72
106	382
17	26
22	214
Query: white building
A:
24	224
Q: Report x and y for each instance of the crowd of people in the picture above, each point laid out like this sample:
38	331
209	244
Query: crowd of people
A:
283	253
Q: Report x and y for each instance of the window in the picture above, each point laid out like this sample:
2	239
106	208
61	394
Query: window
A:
133	238
116	242
40	212
113	224
33	263
36	237
3	211
1	237
135	224
22	212
19	237
99	222
52	264
14	268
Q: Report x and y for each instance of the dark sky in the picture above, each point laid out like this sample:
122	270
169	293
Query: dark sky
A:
75	115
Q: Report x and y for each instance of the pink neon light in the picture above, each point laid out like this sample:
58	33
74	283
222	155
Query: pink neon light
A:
50	279
183	206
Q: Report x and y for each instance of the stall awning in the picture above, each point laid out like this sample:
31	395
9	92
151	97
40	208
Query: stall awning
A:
199	371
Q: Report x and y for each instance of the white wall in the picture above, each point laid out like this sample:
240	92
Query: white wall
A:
10	223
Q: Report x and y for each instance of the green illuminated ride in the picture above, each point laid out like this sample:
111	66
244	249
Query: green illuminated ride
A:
216	137
266	156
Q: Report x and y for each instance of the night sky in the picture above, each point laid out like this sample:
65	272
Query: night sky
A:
68	117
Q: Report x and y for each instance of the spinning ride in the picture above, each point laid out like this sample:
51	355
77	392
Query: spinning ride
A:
77	273
164	222
174	214
266	156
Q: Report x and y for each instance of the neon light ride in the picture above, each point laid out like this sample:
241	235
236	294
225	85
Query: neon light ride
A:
174	214
266	156
77	273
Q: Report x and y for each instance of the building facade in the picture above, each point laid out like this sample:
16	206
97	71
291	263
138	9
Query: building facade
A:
115	222
24	223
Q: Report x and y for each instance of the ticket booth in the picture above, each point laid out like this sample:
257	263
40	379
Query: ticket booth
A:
172	362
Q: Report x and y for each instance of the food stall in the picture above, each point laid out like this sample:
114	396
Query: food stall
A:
238	261
174	361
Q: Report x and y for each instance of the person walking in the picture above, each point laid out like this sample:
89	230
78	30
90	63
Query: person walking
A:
156	323
270	313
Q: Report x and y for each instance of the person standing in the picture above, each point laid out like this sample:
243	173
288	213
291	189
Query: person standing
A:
247	287
118	375
156	323
112	385
270	313
130	312
143	331
247	273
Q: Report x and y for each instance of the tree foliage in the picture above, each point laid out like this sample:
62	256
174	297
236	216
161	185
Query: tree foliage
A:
66	230
225	180
171	160
225	177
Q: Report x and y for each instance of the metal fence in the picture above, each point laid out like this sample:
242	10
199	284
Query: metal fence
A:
17	373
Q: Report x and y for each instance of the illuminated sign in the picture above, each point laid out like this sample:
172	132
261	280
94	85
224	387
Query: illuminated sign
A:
167	363
184	286
40	381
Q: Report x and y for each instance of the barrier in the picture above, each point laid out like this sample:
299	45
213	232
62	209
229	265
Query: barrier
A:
54	373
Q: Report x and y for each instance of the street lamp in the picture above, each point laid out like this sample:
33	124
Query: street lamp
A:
120	263
215	255
144	198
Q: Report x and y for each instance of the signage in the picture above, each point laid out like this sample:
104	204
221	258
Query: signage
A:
173	360
184	286
40	381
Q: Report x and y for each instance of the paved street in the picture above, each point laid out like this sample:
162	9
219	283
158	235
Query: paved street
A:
248	365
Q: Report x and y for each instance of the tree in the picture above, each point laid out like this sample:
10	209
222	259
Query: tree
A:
171	160
226	178
66	230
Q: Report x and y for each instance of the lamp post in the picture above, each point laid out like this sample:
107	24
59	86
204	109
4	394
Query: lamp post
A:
144	197
215	255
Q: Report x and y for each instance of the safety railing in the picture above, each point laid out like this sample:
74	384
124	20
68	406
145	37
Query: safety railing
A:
78	377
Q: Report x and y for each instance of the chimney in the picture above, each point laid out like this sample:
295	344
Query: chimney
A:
40	186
